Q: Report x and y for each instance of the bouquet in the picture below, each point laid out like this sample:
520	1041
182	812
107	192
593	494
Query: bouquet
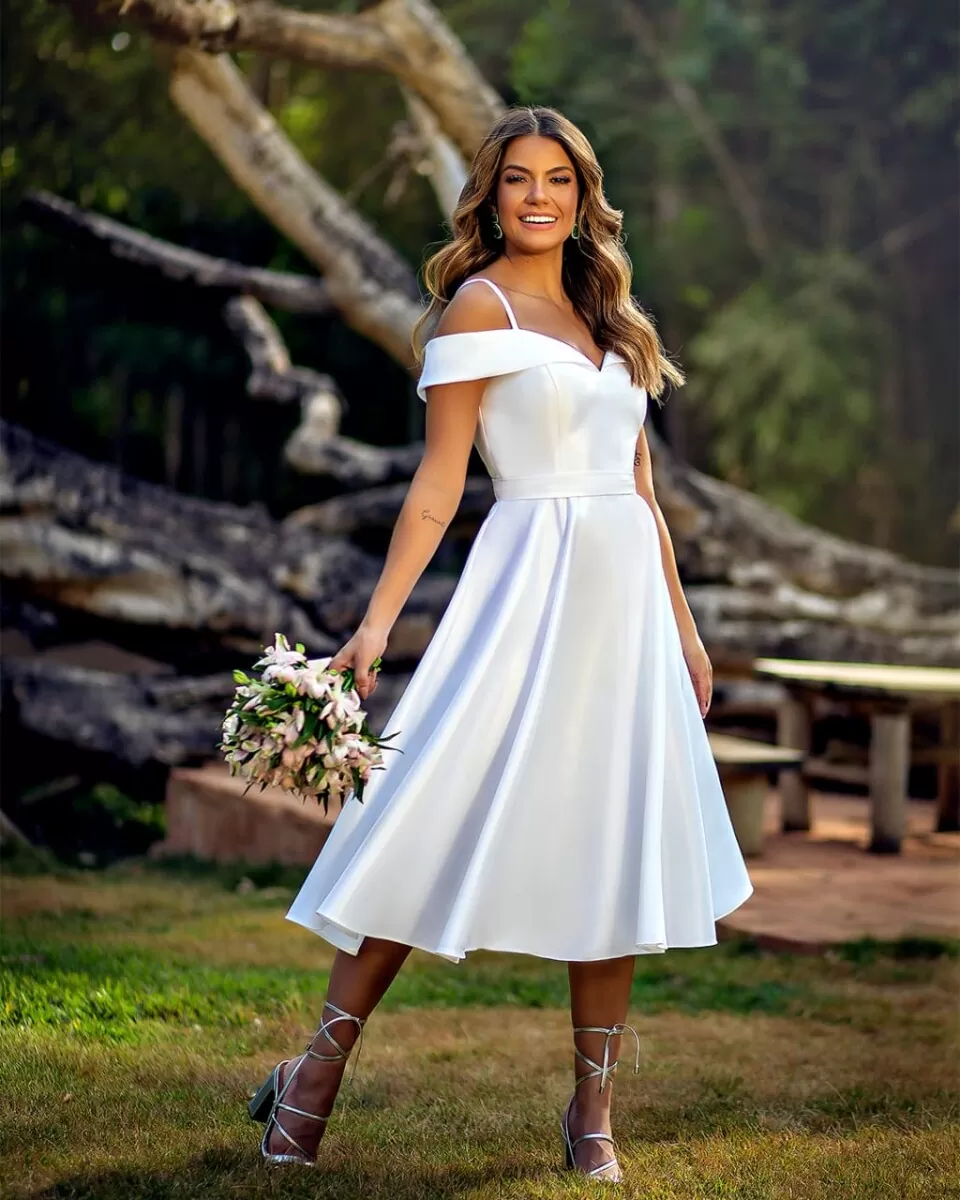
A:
300	727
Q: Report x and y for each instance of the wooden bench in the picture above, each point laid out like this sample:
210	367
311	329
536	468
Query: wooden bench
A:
746	770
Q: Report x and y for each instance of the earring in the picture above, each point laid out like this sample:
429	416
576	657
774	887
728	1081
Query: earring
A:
497	231
575	231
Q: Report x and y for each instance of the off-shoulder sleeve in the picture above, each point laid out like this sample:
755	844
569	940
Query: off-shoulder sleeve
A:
457	357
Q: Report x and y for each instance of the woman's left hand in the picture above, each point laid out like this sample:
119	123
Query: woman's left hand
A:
701	670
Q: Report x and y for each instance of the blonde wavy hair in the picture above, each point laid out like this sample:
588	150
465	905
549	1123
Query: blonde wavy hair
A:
596	270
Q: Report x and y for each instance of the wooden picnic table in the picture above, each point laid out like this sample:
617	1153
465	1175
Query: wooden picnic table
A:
887	694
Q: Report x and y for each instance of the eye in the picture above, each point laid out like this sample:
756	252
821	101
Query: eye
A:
513	179
561	179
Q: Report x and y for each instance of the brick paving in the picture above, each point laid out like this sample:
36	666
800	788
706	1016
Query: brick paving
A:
814	890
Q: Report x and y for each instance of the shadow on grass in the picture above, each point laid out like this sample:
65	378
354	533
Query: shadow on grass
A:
217	1175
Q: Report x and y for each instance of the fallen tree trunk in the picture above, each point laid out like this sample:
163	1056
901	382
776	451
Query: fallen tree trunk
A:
136	718
83	537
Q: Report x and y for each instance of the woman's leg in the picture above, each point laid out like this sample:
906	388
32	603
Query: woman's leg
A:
357	984
599	995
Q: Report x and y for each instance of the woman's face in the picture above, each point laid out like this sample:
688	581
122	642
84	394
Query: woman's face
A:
536	194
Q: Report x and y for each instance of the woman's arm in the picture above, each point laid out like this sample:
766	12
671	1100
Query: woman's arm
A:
698	664
433	496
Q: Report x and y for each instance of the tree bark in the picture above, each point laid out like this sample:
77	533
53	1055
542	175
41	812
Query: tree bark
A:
90	539
293	293
405	38
373	288
136	718
442	161
353	464
84	538
274	377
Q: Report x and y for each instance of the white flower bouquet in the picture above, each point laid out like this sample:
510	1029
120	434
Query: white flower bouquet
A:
300	726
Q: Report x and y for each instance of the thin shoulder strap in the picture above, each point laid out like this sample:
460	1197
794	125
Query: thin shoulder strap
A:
503	300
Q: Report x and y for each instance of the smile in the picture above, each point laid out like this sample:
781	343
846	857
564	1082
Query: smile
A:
544	220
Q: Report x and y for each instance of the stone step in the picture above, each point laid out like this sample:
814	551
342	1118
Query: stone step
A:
210	817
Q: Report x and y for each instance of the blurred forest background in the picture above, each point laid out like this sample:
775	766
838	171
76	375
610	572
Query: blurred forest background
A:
788	177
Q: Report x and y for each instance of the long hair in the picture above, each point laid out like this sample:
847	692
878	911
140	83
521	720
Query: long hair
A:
596	270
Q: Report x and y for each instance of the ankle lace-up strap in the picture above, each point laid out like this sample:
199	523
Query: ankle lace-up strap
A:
339	1052
606	1068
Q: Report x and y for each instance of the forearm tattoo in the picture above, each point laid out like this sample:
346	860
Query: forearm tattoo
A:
427	515
637	459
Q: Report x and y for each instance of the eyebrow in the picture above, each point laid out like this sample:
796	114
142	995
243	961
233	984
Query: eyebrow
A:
517	167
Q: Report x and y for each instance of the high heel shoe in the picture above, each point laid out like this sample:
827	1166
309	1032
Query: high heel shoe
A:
268	1101
603	1070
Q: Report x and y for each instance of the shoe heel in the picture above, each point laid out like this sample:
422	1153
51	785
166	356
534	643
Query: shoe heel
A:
568	1162
260	1106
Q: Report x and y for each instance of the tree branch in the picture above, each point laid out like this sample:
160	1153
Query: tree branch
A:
405	38
370	284
273	376
442	162
293	293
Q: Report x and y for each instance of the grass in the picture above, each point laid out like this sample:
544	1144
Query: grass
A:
139	1008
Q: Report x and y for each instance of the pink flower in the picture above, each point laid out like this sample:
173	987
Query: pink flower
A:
281	673
341	707
312	683
281	654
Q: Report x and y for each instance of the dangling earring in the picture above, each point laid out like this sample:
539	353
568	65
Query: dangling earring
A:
575	231
497	231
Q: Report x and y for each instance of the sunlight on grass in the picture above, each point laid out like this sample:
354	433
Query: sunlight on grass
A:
139	1011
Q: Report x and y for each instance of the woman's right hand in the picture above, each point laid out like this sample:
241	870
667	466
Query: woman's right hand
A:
359	653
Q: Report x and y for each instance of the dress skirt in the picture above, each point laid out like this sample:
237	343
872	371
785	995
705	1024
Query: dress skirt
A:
556	794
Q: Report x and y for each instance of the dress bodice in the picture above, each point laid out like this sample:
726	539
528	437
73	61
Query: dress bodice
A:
547	409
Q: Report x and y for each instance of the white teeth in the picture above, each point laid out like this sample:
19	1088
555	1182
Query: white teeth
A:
539	220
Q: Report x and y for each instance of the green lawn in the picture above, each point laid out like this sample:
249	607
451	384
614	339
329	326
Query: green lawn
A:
140	1007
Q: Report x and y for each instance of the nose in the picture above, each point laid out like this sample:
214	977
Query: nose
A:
535	192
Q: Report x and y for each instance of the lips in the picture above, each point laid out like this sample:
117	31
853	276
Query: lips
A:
541	221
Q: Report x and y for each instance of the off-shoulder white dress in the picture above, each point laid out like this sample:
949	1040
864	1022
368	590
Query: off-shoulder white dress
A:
556	794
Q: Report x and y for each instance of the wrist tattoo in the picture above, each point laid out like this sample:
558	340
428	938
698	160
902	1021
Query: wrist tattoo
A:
637	459
426	515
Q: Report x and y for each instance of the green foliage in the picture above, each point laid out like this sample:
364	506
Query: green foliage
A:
105	801
789	379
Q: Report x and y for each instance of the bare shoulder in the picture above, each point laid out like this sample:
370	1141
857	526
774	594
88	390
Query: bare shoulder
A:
473	310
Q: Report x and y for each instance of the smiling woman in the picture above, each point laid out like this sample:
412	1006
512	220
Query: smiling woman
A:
535	197
556	794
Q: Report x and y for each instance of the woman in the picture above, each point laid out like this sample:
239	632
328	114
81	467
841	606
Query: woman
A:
556	795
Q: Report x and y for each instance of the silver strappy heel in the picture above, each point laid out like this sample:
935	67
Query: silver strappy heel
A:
603	1070
268	1101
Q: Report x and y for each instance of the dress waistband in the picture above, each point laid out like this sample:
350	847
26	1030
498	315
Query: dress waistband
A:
566	483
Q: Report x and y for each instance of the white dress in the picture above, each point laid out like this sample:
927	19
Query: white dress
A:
556	794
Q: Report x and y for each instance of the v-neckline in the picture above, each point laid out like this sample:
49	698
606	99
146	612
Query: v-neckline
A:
570	346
